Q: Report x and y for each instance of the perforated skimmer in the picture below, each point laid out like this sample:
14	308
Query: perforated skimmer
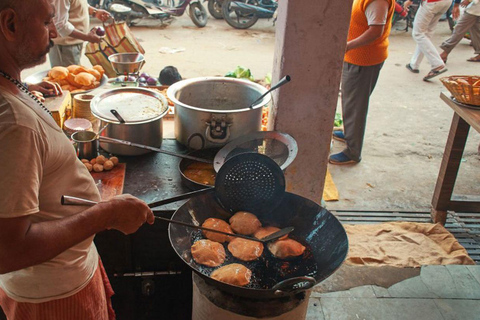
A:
246	182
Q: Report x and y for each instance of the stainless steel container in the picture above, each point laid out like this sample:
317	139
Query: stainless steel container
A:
86	144
127	63
211	111
142	110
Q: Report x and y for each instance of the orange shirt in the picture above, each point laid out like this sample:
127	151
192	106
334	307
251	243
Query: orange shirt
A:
375	52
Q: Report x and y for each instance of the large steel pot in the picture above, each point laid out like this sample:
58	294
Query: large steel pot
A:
211	111
142	110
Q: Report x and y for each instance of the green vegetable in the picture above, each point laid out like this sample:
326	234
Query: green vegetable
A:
268	78
241	72
231	74
338	120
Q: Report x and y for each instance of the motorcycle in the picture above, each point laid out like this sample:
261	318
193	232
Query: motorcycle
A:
132	11
407	15
242	14
215	8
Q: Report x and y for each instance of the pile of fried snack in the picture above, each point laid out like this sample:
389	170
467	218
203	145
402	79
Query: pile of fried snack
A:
100	163
211	252
76	78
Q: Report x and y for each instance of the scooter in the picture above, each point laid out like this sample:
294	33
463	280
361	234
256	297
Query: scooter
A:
242	14
132	11
215	8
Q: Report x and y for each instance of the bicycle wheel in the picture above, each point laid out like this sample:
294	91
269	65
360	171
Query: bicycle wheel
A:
236	18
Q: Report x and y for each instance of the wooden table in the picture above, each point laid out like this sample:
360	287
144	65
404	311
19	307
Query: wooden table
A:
443	197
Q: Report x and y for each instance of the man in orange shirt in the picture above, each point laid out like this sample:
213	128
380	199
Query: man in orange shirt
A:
367	49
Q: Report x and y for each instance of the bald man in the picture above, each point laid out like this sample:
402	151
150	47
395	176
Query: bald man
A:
49	266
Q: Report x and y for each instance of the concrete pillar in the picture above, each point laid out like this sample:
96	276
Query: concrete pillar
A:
310	44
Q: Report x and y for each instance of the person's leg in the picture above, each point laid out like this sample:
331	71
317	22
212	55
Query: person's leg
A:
419	28
71	54
358	83
422	31
55	56
475	35
464	23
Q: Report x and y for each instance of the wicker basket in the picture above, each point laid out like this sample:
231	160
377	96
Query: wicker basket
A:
465	89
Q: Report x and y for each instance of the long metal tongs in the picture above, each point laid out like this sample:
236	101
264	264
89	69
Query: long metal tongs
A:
68	200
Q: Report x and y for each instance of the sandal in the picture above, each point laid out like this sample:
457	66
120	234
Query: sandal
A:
409	67
434	73
474	59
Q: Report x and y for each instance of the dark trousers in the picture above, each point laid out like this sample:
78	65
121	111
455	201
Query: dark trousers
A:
358	83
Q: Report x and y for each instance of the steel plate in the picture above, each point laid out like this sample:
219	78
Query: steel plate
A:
264	142
39	76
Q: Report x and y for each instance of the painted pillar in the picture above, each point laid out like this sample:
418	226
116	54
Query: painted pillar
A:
309	46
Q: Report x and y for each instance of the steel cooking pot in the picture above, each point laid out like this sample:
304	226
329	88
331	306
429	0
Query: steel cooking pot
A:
320	230
211	111
142	110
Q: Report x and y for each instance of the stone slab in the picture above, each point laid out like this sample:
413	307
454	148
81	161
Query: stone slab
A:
475	271
315	311
360	292
450	282
454	309
381	292
380	309
347	277
411	288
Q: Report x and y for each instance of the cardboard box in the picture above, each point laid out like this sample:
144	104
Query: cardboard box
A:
59	106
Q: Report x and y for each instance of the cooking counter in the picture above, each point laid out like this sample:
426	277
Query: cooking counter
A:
149	279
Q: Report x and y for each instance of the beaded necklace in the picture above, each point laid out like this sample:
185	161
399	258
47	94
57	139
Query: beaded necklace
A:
24	89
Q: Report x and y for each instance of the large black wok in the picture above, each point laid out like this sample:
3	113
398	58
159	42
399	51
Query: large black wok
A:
315	227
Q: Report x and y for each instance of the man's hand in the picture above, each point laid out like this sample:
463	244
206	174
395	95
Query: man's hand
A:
407	4
456	11
102	15
47	88
39	95
93	37
465	3
127	213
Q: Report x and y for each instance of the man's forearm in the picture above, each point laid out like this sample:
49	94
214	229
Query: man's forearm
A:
33	243
370	35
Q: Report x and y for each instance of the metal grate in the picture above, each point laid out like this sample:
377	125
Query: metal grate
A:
464	226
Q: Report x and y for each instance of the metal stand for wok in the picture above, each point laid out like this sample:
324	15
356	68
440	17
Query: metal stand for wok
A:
149	279
213	304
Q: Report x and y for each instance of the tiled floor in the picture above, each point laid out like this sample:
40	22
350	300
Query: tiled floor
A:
437	293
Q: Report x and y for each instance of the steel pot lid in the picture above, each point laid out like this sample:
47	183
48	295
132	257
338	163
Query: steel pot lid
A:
135	105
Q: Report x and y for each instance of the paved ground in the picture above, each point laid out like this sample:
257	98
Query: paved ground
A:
407	126
437	293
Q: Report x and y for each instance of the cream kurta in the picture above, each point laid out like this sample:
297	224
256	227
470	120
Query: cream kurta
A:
38	166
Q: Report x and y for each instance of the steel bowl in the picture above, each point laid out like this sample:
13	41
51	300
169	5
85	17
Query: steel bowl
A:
127	63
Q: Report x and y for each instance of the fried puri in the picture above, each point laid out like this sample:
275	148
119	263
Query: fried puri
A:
208	253
235	274
245	223
245	250
217	224
266	231
287	248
